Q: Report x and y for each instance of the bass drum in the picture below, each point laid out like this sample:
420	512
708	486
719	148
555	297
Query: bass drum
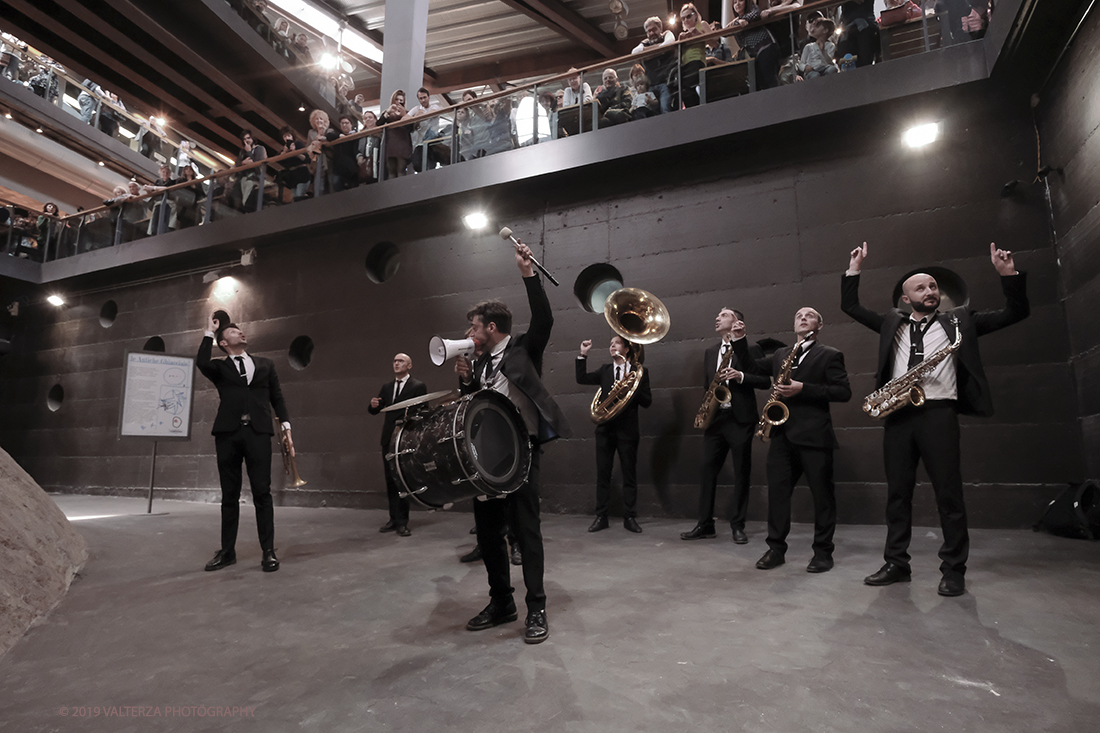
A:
474	445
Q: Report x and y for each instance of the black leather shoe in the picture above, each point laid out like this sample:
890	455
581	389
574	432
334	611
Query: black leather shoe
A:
952	585
631	525
493	615
270	563
771	559
403	531
472	556
889	573
598	524
389	526
700	532
820	565
739	536
222	559
515	555
537	629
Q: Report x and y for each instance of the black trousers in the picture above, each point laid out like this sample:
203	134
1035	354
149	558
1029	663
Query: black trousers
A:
608	443
930	434
254	449
786	464
520	509
724	436
399	507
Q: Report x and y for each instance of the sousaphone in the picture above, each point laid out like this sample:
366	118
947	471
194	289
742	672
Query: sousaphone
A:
640	318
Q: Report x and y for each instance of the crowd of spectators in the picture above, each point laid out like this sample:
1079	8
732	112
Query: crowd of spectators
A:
845	35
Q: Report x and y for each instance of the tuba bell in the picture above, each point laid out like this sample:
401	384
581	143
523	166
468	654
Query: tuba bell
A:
640	318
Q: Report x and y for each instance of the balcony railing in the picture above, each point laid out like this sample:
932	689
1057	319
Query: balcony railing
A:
519	117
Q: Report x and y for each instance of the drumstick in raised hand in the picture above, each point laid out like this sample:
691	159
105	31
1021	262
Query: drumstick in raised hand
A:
506	234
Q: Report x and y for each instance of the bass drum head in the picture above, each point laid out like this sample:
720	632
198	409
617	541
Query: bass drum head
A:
496	437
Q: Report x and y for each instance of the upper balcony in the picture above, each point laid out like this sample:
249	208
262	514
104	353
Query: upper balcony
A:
519	135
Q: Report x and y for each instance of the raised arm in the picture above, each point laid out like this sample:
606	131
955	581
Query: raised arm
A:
1014	286
849	292
206	348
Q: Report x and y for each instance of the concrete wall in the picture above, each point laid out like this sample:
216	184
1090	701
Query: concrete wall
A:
1069	118
760	221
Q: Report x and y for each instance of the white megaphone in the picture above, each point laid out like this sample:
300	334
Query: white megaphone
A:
443	349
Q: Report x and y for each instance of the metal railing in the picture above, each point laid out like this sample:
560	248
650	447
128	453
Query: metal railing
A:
464	131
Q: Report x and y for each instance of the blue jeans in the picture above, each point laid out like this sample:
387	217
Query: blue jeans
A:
662	93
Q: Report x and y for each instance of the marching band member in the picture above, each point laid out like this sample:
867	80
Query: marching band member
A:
619	434
403	387
930	432
512	366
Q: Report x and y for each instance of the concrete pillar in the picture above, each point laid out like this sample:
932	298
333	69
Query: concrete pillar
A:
406	35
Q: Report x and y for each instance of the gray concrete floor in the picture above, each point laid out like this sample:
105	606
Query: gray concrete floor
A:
364	632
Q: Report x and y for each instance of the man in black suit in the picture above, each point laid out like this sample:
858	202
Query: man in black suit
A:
958	386
619	433
403	387
729	432
513	366
248	388
805	442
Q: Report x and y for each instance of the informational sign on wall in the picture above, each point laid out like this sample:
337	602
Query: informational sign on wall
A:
157	390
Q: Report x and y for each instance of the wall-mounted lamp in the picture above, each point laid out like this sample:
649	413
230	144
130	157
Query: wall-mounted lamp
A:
248	257
211	276
920	135
55	300
476	220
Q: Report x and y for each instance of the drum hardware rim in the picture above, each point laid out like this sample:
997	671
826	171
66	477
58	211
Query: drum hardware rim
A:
407	494
457	481
397	463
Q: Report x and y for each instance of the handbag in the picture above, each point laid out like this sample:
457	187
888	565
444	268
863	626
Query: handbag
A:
903	13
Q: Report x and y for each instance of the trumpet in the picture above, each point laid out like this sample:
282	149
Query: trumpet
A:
290	466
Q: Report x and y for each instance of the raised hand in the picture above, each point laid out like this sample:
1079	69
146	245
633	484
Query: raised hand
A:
585	346
1002	260
857	257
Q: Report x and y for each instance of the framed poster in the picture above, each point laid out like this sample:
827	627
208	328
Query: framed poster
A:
157	391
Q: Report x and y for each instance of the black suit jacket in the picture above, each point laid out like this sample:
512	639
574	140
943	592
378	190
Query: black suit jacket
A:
824	380
522	364
626	422
238	397
742	397
973	387
413	388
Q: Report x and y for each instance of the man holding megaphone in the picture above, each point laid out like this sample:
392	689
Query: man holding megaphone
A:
403	387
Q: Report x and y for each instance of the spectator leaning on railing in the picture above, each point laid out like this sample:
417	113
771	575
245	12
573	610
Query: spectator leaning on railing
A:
367	154
398	139
573	93
757	42
657	67
614	100
295	172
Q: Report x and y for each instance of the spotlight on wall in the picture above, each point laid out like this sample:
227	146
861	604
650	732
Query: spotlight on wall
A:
38	130
921	135
476	220
160	121
301	108
8	115
101	164
225	288
211	276
248	257
56	300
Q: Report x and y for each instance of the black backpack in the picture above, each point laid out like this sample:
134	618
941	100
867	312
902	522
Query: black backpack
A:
1074	513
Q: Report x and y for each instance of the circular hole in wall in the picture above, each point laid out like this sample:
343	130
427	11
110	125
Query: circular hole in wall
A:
55	397
382	262
594	284
108	313
156	343
301	352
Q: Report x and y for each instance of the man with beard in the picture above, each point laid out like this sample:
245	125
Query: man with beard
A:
930	432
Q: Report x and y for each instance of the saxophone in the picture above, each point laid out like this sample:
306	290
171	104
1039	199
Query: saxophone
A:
717	394
775	413
906	389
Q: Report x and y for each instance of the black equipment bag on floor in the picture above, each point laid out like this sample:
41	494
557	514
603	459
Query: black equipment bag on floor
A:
1075	513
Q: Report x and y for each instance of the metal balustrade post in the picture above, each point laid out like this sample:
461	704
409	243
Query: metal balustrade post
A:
260	187
118	228
98	108
162	214
454	139
382	167
209	201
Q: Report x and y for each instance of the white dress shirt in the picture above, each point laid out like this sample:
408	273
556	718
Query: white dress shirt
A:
942	383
